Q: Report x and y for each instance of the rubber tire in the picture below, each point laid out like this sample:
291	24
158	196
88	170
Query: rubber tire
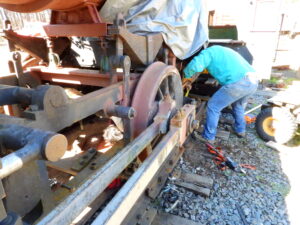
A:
286	122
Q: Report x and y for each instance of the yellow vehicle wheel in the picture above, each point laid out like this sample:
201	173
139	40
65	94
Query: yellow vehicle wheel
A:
276	124
268	126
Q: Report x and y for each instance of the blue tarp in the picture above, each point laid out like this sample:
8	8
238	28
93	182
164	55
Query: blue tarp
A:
183	24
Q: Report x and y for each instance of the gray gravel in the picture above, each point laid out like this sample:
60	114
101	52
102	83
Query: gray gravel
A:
260	193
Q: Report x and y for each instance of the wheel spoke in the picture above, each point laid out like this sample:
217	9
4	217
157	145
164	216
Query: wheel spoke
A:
154	109
166	86
160	93
171	87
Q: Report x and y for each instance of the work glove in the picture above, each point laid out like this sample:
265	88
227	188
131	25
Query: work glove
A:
187	83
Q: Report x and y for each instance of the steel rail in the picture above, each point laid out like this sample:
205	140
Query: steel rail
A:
118	208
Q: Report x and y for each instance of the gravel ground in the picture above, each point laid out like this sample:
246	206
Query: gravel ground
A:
260	193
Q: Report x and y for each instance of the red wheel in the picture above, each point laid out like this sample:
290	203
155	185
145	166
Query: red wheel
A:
157	82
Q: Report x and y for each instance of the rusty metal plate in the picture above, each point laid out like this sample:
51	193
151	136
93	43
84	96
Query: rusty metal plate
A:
76	30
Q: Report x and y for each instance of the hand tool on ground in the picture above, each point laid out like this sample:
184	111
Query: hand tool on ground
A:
250	118
224	161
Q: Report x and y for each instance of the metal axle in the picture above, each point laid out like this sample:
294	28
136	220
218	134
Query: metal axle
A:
30	144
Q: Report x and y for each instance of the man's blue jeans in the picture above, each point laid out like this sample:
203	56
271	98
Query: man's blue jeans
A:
235	94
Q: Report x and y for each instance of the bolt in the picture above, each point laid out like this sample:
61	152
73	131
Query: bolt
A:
195	124
131	113
34	107
159	179
178	115
138	216
93	166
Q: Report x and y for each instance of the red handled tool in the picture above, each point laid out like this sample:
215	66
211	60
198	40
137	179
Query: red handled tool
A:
224	162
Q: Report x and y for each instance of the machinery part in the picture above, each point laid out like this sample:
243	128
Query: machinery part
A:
29	144
122	112
15	95
70	208
39	5
119	207
116	211
276	124
124	63
67	210
185	120
141	49
12	219
158	81
35	46
52	100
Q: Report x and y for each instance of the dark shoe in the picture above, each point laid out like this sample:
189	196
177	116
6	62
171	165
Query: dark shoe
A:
238	134
241	135
202	139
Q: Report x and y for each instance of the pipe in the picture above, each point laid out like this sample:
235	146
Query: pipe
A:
26	6
121	112
31	144
14	95
15	161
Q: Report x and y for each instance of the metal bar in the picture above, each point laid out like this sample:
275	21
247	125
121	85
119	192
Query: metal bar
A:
15	161
29	144
115	212
74	79
77	76
13	95
73	111
75	203
78	30
9	79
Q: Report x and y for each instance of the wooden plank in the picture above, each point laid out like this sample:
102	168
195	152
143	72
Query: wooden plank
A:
61	167
169	219
197	179
195	188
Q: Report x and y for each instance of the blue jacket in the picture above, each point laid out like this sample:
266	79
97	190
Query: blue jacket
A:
224	64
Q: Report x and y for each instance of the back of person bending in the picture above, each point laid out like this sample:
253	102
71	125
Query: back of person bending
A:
238	80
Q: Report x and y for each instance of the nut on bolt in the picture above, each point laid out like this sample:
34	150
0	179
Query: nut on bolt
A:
195	124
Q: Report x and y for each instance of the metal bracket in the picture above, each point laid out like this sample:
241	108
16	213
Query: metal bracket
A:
125	63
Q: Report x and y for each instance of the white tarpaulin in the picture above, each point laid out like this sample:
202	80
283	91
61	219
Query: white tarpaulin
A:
183	24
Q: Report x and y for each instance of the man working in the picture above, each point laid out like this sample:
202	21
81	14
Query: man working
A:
233	73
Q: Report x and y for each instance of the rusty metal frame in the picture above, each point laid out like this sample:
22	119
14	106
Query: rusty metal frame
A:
70	111
67	210
77	76
141	49
116	211
35	46
79	30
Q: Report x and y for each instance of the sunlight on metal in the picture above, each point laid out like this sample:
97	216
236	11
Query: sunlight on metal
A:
66	81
